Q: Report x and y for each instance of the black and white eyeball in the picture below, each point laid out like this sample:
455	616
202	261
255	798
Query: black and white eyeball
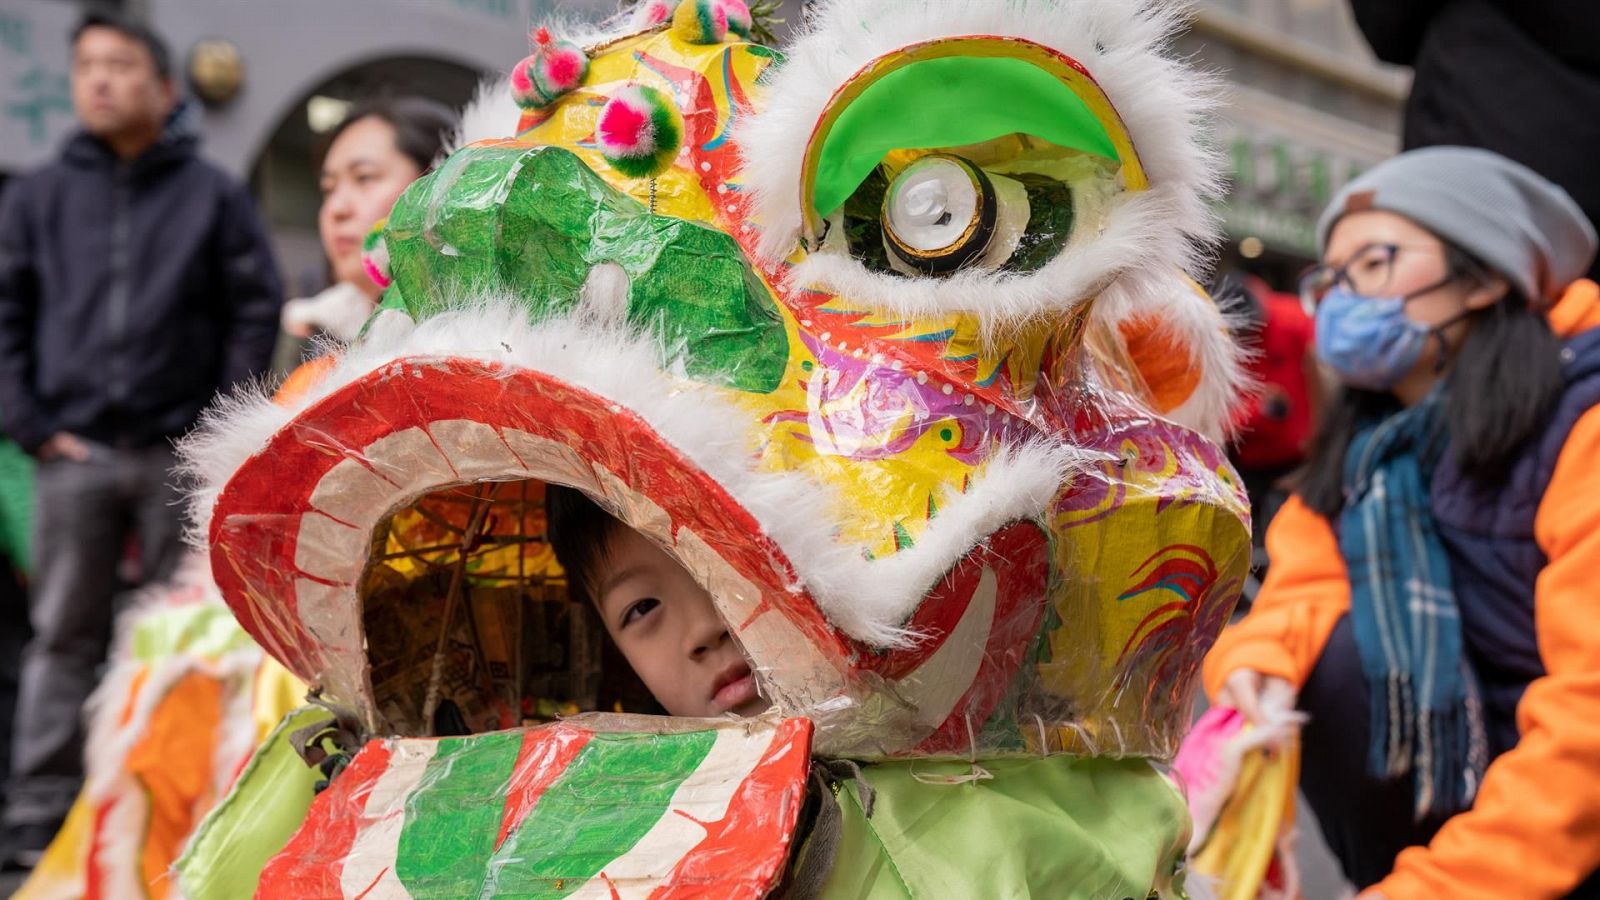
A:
939	214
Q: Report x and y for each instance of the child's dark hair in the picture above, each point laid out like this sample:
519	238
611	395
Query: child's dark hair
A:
579	531
1502	387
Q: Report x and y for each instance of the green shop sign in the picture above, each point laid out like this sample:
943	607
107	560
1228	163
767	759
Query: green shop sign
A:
1279	187
35	92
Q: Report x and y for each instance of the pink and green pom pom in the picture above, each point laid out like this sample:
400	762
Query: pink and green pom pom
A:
701	21
554	68
640	131
375	256
651	13
737	13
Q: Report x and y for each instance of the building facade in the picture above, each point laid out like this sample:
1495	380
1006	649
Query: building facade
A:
1308	108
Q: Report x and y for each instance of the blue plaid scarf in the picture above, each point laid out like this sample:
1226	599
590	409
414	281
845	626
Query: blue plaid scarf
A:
1424	700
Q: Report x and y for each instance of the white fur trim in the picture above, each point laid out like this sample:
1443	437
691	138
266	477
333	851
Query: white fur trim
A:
869	600
492	113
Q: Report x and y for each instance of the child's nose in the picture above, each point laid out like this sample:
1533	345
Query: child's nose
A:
708	636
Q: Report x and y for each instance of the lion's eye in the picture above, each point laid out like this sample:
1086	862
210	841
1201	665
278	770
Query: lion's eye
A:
939	214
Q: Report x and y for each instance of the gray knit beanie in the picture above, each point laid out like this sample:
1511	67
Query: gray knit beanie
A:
1506	215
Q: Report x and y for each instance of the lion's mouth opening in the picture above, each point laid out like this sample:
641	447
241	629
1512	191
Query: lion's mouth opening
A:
470	626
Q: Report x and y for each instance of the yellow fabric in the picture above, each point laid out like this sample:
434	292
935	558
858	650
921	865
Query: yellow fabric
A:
60	873
278	693
1245	837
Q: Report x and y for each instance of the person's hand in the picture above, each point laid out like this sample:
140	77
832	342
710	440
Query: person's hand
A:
1261	698
63	445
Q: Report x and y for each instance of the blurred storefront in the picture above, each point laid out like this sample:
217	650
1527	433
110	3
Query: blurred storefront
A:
1308	109
1308	106
35	100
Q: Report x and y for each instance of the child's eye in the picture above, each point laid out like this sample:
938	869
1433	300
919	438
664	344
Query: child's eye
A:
639	610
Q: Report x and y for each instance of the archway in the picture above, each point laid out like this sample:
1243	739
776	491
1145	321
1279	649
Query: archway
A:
284	177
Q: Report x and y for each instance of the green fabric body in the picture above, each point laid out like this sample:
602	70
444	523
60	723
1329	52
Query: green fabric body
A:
950	102
531	223
16	505
453	818
267	805
1060	827
208	630
615	790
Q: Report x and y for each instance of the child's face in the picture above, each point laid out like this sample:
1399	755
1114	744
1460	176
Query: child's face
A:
670	632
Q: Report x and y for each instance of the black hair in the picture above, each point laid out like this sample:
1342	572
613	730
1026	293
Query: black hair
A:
421	126
579	532
1501	389
130	27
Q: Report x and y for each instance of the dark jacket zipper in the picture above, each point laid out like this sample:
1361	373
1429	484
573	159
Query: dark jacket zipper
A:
117	299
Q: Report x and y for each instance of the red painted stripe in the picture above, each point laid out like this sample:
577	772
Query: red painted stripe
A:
94	886
309	865
743	854
546	752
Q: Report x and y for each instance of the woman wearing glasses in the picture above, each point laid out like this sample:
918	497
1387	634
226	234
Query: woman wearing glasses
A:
1433	602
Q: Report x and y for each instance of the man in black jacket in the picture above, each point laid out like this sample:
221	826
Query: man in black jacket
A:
1519	77
135	281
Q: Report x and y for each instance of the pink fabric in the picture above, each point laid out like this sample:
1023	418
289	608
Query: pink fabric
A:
1205	772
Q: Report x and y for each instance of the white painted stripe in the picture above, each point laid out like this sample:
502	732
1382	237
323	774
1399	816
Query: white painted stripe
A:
353	494
329	550
703	797
936	686
369	866
475	450
409	460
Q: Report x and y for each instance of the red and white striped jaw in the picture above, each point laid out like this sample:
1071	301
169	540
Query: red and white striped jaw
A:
293	532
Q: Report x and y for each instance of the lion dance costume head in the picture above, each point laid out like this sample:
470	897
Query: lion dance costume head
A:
887	338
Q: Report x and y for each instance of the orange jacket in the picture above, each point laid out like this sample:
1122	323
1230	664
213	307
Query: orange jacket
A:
1534	830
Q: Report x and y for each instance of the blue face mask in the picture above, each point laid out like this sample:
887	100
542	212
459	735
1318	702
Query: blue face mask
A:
1368	341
